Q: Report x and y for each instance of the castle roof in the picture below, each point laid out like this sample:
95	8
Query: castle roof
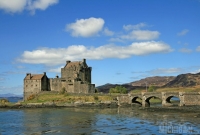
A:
34	77
72	64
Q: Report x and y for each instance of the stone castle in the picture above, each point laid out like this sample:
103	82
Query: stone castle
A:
75	78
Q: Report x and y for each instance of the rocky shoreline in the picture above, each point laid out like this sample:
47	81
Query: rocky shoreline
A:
105	104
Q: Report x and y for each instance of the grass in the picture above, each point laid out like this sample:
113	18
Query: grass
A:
67	98
71	98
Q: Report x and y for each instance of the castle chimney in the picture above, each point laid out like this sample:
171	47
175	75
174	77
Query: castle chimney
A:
68	61
84	60
29	75
44	73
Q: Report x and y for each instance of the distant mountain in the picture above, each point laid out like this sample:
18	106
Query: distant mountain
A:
10	95
156	81
105	88
185	80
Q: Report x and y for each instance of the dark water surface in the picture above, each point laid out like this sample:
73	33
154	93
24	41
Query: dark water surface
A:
96	121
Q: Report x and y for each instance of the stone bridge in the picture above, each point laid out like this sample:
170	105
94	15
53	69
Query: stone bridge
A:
143	99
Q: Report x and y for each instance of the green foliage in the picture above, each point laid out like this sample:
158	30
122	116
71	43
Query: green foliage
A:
4	100
66	94
151	88
96	90
118	89
96	97
62	90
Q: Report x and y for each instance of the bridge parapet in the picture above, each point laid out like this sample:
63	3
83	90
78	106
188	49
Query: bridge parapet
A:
139	95
190	98
149	95
123	99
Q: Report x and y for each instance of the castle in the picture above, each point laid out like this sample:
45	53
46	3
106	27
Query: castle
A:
75	78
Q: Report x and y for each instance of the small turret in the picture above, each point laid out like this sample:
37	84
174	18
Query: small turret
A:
84	60
68	61
28	75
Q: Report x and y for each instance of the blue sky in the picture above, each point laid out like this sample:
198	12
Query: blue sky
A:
122	40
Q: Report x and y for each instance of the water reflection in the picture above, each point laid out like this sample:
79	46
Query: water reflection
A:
95	121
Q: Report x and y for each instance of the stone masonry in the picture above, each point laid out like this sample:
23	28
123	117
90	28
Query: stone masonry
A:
186	98
75	78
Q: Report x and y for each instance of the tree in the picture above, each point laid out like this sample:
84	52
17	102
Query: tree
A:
151	88
118	89
96	90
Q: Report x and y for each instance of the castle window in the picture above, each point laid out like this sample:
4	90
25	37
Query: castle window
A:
26	85
36	85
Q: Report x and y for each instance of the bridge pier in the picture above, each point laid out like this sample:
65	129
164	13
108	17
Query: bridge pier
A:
145	103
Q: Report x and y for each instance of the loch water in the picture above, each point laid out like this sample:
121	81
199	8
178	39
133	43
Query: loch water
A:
83	121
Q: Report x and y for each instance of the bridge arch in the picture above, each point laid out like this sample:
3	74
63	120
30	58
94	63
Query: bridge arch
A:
148	103
170	102
135	100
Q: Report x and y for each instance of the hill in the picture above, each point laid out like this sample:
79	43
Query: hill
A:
105	88
140	84
156	81
10	95
182	80
185	80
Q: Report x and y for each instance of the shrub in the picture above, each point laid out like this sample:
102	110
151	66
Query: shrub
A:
31	97
96	90
3	100
62	91
66	94
96	97
151	88
118	89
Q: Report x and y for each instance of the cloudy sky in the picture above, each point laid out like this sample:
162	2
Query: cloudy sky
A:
122	40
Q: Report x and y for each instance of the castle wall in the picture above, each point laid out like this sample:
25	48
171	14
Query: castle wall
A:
85	74
31	87
55	84
45	83
80	87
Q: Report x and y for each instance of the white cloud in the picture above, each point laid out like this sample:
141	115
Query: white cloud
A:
183	32
198	49
56	56
116	40
165	71
107	32
196	71
56	70
141	35
14	6
40	4
85	27
137	26
185	50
